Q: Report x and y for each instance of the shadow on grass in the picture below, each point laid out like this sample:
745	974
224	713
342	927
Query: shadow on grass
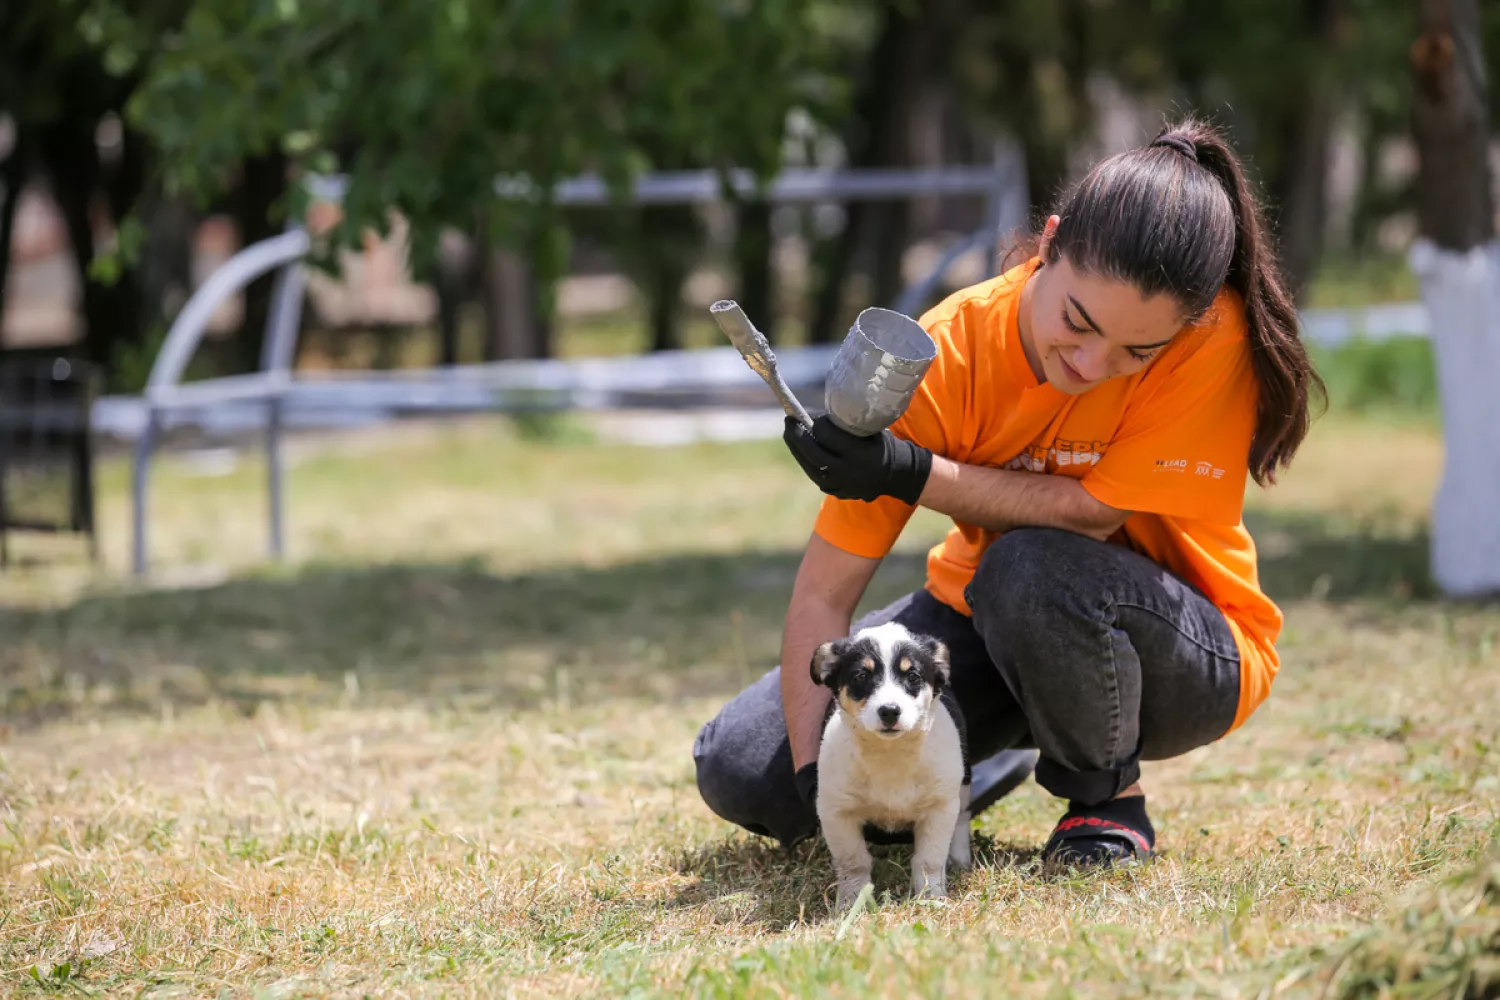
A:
1320	556
754	880
456	634
446	633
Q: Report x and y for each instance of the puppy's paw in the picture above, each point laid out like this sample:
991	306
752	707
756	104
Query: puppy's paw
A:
849	890
929	885
960	853
960	857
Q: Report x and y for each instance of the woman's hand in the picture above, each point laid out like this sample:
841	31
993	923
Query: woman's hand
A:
882	465
850	467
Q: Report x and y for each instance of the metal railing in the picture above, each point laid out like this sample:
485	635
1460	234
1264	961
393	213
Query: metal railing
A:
277	393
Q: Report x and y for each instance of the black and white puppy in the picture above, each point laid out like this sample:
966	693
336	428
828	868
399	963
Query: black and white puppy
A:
892	756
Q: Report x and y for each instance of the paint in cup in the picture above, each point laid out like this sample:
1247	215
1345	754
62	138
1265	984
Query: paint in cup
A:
876	371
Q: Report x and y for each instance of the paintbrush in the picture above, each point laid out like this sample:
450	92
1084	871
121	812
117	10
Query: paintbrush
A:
756	351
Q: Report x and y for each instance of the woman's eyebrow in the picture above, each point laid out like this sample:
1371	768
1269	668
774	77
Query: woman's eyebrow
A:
1085	314
1090	321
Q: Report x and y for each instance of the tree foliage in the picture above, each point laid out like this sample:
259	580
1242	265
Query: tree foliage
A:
422	104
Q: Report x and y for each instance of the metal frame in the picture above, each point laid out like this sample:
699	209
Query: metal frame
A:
511	386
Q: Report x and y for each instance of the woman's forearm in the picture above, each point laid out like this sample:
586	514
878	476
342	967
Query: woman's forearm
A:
828	587
1002	499
803	702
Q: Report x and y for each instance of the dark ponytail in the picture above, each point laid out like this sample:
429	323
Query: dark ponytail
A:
1178	217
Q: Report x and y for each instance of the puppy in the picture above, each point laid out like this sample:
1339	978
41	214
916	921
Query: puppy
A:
892	756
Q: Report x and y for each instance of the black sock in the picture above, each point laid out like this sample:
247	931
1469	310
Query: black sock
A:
1090	834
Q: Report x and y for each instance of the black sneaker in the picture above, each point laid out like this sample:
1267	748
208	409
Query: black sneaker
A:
1113	833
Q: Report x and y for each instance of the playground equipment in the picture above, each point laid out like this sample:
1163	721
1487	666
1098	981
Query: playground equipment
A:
277	394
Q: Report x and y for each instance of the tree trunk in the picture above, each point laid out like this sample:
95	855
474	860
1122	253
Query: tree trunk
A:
889	231
753	246
453	272
1304	134
449	292
1450	119
12	180
1302	198
1044	124
1458	263
873	129
111	311
510	320
1373	201
665	240
664	299
166	264
263	183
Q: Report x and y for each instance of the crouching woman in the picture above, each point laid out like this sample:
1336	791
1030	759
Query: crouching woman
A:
1089	425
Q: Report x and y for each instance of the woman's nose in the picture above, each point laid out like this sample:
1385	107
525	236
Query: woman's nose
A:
1091	360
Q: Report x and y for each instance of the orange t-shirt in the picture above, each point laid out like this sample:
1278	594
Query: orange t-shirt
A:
1170	443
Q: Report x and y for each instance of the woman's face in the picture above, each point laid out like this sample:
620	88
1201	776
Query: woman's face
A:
1085	330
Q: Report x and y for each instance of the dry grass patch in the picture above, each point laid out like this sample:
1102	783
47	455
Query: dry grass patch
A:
1445	943
451	756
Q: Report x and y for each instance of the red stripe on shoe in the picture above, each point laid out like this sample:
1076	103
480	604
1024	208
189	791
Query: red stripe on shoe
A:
1099	823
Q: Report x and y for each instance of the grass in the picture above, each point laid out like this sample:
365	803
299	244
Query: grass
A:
445	751
1446	942
1343	280
1392	379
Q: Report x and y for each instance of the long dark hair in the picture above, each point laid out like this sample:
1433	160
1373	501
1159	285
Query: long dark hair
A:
1178	217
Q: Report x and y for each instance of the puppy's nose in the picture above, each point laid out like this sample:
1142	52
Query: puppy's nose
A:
889	714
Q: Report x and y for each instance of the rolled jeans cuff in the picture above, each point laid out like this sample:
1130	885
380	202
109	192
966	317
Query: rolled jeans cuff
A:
1088	788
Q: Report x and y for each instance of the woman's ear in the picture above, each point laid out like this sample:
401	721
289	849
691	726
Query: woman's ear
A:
1046	241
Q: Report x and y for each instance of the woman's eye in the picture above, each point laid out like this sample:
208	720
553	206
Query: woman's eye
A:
1068	322
1142	355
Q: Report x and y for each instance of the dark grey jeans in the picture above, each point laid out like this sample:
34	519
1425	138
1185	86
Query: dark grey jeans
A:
1090	653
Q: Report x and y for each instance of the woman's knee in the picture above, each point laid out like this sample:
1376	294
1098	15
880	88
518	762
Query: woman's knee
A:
1029	578
720	780
729	752
744	765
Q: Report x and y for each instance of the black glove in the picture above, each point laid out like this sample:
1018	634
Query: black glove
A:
850	467
806	781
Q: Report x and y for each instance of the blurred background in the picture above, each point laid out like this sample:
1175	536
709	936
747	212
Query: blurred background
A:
428	148
143	141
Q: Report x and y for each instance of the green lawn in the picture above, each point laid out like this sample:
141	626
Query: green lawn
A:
445	750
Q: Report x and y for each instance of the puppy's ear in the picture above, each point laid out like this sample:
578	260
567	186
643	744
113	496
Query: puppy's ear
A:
940	664
825	660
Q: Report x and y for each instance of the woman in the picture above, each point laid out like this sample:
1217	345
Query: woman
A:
1088	424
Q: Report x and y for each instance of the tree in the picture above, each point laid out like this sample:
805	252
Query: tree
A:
1458	262
422	106
57	92
66	75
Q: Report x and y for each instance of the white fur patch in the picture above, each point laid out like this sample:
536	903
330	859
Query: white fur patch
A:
888	638
909	778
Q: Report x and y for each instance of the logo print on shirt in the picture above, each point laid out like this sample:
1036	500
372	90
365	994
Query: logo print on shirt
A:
1048	458
1200	468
